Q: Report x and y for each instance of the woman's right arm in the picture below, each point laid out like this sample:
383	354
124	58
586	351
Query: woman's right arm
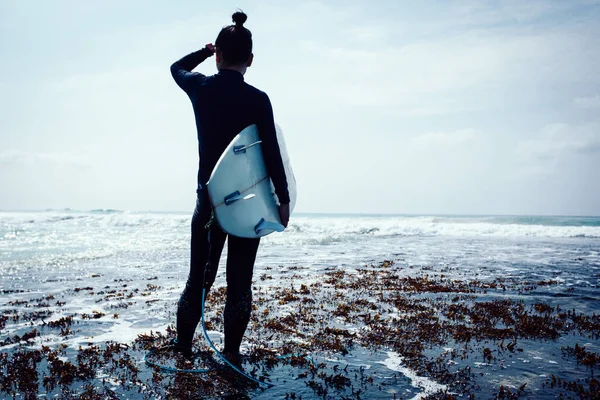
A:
182	69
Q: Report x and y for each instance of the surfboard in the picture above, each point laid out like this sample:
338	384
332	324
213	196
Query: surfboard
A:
240	190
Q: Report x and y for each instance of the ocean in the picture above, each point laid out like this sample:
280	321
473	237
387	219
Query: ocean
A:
524	270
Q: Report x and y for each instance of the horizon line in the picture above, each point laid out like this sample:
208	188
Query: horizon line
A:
381	214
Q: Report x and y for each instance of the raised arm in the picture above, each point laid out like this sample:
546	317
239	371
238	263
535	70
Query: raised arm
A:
182	69
271	153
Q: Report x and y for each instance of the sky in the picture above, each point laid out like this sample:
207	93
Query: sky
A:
428	107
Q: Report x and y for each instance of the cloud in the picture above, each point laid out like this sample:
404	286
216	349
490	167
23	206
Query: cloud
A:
587	102
441	139
560	140
366	35
460	71
493	13
22	158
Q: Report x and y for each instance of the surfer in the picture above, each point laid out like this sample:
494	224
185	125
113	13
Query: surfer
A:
224	104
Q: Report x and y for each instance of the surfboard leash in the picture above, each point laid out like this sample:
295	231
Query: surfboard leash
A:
221	356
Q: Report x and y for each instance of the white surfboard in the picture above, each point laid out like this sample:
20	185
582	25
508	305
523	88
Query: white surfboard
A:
240	191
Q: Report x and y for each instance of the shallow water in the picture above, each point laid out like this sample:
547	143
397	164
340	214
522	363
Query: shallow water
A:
135	265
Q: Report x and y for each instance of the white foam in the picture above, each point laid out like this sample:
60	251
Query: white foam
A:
338	229
394	362
484	364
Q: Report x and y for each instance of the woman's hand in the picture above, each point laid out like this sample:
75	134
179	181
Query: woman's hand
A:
284	214
211	47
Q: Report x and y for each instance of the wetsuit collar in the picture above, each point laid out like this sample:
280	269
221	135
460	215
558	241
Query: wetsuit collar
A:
231	74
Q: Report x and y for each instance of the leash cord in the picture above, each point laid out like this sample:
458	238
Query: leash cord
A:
221	356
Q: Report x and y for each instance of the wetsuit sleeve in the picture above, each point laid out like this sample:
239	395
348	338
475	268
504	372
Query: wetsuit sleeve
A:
271	153
182	69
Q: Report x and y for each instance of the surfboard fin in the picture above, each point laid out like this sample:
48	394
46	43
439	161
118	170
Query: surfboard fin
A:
235	196
262	225
242	148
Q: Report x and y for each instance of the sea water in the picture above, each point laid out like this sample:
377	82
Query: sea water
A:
54	246
50	252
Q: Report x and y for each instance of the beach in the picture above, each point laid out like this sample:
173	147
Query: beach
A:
345	306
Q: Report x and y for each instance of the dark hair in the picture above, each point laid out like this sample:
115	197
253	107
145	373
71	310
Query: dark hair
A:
235	41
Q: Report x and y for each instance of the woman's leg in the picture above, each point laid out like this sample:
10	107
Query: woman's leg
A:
205	252
240	265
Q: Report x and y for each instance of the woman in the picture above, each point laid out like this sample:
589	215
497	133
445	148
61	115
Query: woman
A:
224	104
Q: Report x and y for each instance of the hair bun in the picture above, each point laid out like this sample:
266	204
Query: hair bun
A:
239	17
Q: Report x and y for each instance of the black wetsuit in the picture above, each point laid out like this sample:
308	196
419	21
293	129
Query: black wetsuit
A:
223	106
